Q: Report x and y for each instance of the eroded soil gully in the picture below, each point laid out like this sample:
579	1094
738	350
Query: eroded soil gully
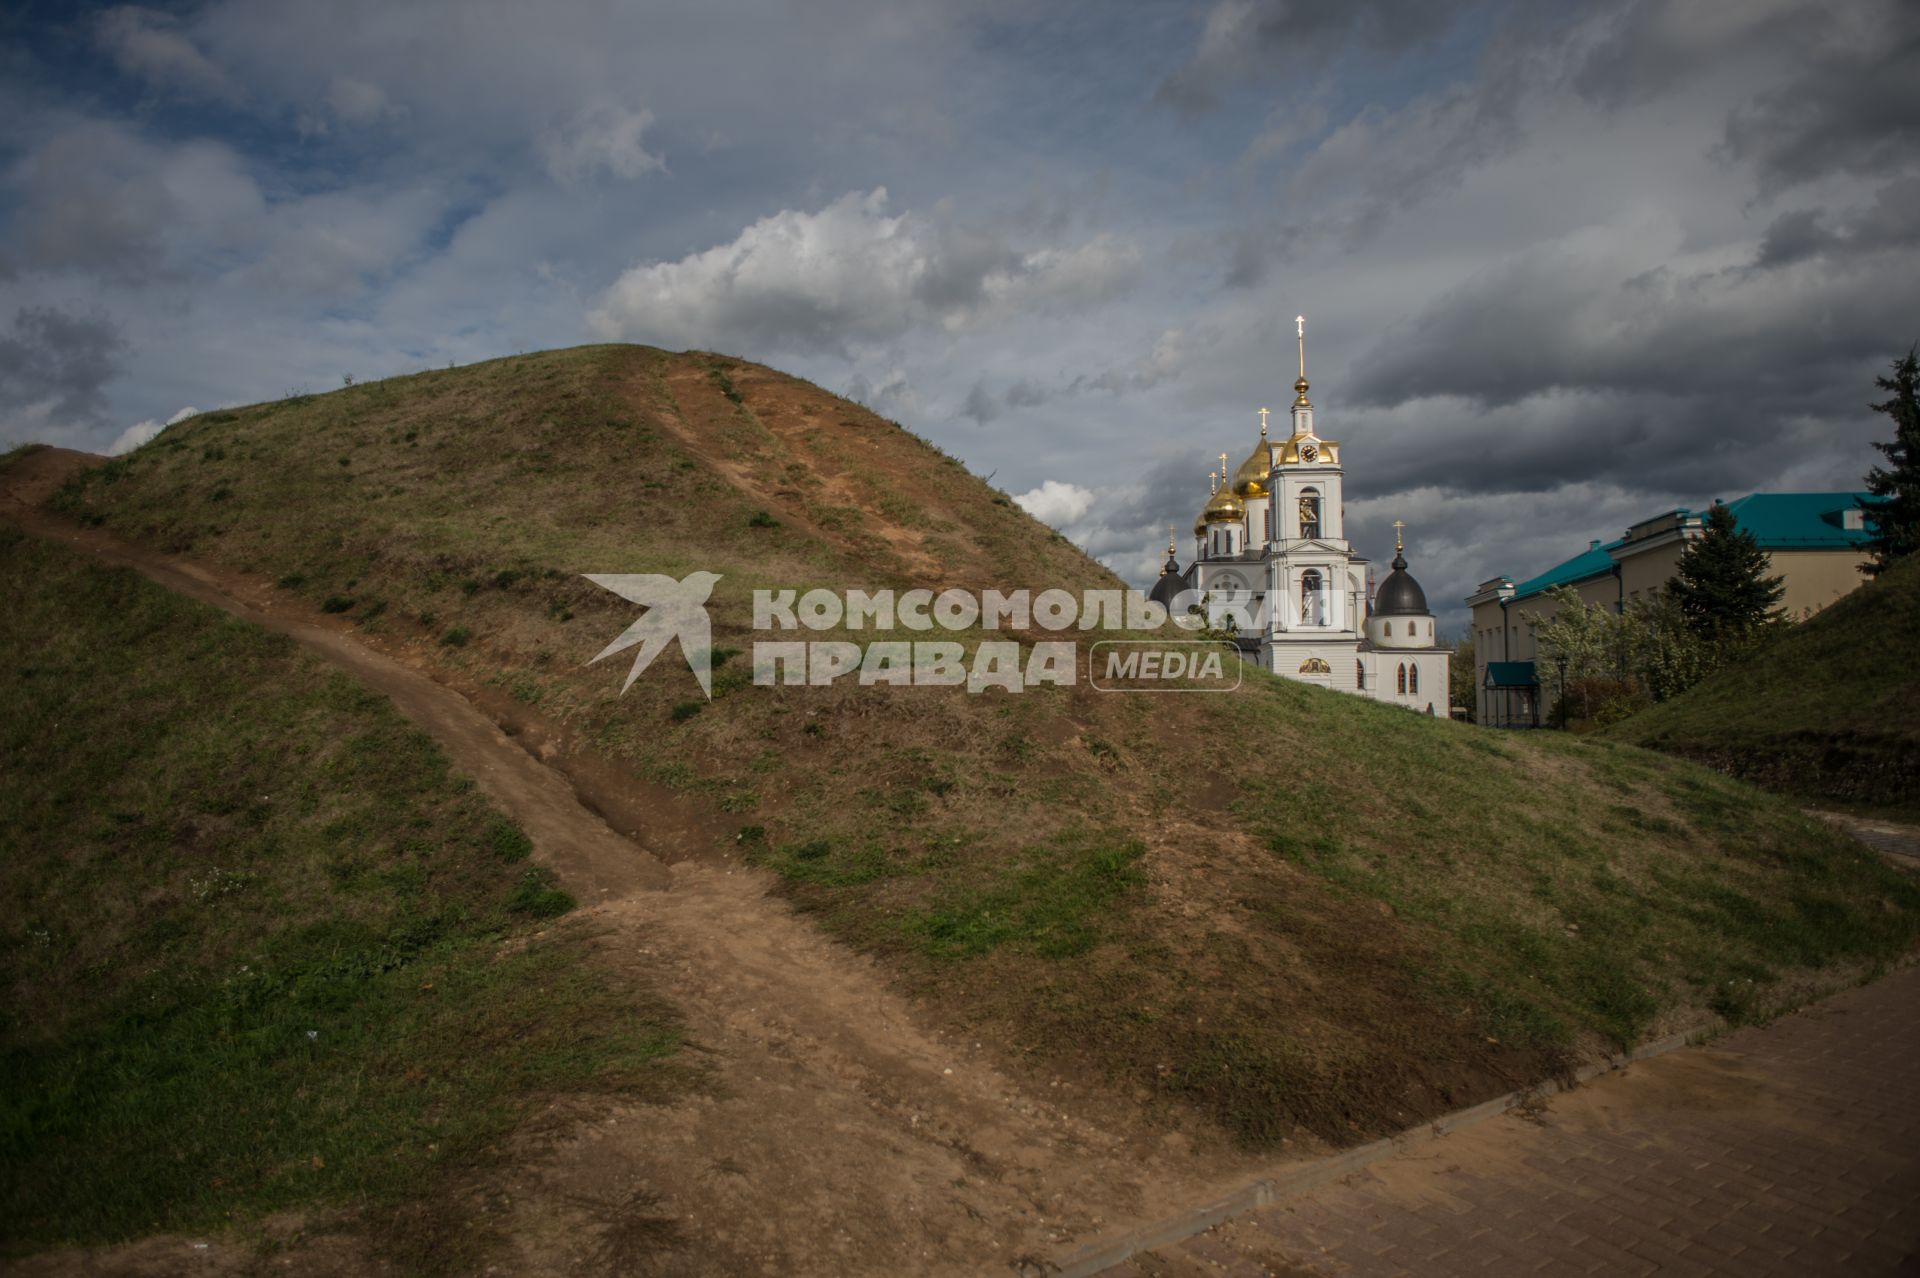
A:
842	1134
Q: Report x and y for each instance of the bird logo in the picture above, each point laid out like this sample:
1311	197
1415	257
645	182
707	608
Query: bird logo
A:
674	610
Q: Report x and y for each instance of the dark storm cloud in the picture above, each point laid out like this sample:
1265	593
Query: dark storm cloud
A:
1647	48
1563	366
1241	35
1852	107
54	367
1890	222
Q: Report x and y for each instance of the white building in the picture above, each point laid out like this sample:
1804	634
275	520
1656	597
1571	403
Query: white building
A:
1273	564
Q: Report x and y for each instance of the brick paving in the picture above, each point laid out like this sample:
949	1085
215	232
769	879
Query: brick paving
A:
1889	837
1792	1149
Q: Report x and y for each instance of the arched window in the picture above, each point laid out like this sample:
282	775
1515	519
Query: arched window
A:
1389	630
1413	677
1360	675
1403	679
1309	512
1313	608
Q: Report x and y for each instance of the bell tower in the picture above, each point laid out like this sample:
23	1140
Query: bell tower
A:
1306	479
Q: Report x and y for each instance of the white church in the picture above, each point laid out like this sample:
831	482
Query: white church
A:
1273	564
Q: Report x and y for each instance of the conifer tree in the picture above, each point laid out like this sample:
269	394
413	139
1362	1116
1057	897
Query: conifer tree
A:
1895	519
1721	582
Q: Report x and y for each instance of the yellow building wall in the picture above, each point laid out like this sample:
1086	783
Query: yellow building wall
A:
1813	579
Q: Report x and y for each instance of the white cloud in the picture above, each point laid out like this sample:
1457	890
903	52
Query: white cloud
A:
150	45
142	432
605	138
1058	503
852	273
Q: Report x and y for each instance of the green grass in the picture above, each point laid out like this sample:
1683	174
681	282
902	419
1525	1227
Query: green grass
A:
1828	711
262	949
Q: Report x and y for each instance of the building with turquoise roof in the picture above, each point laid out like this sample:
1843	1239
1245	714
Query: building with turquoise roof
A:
1816	543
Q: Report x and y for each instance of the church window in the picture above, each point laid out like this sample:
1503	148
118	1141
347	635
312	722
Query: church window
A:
1360	674
1403	680
1413	677
1309	512
1389	630
1312	598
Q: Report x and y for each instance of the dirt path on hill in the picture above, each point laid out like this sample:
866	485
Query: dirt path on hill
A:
843	1134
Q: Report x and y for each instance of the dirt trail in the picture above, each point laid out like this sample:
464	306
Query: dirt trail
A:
843	1133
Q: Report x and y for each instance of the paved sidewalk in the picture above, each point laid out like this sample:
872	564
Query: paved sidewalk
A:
1792	1149
1890	837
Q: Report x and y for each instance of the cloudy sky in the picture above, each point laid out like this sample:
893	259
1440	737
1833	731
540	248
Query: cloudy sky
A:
1563	267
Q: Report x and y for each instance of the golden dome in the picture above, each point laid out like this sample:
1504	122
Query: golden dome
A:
1224	508
1251	479
1293	451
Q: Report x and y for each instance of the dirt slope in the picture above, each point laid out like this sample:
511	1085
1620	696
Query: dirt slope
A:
846	1133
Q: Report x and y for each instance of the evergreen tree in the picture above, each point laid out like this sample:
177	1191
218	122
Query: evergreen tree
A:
1721	582
1895	520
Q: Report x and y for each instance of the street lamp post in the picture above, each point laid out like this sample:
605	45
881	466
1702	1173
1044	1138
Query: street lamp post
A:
1561	705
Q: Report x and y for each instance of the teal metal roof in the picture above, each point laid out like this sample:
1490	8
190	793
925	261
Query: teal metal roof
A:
1801	521
1589	563
1779	521
1511	674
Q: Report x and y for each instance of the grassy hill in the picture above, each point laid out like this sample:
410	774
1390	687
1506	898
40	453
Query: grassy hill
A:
1282	910
261	949
1829	711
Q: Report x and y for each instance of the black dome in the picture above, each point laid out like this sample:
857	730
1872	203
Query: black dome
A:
1166	588
1400	595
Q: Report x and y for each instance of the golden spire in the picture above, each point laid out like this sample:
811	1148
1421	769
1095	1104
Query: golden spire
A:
1398	544
1170	550
1263	423
1213	483
1300	387
1223	468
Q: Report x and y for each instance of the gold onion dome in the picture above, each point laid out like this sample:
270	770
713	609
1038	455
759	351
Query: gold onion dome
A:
1224	507
1251	479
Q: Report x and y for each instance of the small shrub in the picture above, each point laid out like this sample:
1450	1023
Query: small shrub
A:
506	577
687	709
508	841
761	519
537	897
455	638
292	581
337	603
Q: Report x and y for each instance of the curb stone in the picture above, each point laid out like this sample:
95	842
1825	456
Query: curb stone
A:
1106	1253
